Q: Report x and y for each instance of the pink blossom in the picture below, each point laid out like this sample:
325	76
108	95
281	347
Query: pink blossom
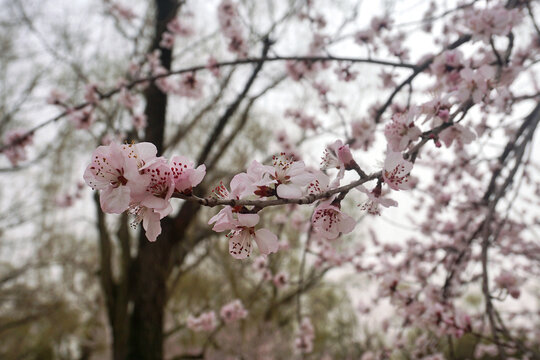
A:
337	155
152	204
496	20
375	199
363	37
57	97
139	121
91	94
243	233
231	27
82	118
177	28
227	219
233	311
303	120
64	200
318	43
437	109
461	134
330	222
291	176
238	186
255	180
396	171
120	11
260	263
154	61
205	322
160	187
142	153
240	242
363	134
401	131
127	99
476	83
189	86
446	67
387	79
508	281
298	70
212	66
16	141
150	218
185	175
319	184
305	337
116	174
379	23
344	73
280	280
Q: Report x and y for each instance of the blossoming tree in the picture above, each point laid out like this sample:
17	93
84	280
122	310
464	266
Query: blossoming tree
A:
446	145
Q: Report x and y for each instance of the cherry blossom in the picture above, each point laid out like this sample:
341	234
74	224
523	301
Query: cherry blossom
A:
305	337
184	174
116	175
57	97
476	83
319	184
227	219
150	218
178	28
486	22
206	322
508	281
243	233
459	133
396	171
303	120
231	27
329	221
16	140
363	134
82	118
240	242
291	176
256	180
233	311
189	86
402	131
337	155
375	200
280	279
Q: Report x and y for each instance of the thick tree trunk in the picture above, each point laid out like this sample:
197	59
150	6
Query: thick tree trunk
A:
149	278
150	269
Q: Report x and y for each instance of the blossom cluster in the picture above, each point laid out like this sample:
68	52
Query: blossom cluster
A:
132	178
306	335
231	26
208	321
17	140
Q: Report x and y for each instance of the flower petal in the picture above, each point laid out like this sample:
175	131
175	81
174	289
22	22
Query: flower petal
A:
289	191
266	241
115	200
151	224
248	220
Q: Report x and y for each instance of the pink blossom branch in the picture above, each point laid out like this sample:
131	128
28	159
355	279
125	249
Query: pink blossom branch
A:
433	133
259	204
106	95
417	70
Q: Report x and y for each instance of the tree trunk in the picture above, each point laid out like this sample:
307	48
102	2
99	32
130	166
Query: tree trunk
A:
149	278
150	269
